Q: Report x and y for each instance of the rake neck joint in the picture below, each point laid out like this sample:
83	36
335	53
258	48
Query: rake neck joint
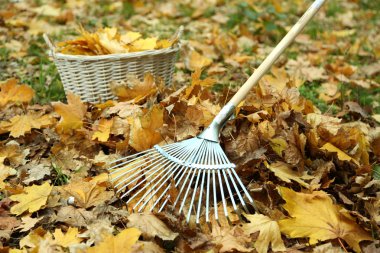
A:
211	133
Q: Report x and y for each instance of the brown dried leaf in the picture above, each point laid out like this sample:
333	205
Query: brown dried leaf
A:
151	226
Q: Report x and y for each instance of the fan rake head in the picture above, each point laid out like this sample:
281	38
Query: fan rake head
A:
197	169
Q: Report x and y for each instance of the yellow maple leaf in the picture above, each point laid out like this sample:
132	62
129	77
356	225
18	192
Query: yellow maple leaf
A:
122	242
19	125
104	129
72	114
195	60
65	240
164	44
87	194
144	44
108	40
315	216
144	129
269	232
10	92
32	200
130	37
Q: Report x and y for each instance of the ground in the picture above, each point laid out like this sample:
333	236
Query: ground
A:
306	140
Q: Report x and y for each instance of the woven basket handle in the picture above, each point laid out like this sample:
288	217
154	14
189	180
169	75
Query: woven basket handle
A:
49	43
177	35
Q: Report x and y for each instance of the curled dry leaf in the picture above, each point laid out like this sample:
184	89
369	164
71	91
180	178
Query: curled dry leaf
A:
151	226
341	155
28	223
72	216
285	173
230	239
144	129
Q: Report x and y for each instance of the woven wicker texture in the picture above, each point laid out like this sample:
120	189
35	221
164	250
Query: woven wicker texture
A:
90	76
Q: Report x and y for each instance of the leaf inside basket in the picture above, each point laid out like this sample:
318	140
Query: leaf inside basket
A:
110	41
136	91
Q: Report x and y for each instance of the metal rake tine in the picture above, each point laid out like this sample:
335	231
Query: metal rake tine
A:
118	167
189	156
201	157
135	173
156	169
222	193
200	150
181	155
136	157
193	197
177	183
237	190
196	150
176	169
205	171
221	156
131	167
179	151
245	190
130	156
229	190
200	195
208	196
215	197
169	170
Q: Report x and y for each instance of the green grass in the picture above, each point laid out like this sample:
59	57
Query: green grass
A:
310	90
59	177
376	172
45	80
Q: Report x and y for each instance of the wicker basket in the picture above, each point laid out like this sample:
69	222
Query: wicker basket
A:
90	76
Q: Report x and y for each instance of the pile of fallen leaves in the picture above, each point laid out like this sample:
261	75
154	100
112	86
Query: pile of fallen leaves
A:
310	174
110	41
314	176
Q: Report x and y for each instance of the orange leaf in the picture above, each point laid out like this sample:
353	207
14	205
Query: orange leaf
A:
72	114
144	129
132	89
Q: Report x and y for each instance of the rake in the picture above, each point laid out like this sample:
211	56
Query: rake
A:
194	174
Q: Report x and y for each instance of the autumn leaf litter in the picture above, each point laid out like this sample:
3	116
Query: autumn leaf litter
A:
311	173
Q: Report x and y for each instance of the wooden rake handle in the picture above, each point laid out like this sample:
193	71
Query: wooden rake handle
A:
277	51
